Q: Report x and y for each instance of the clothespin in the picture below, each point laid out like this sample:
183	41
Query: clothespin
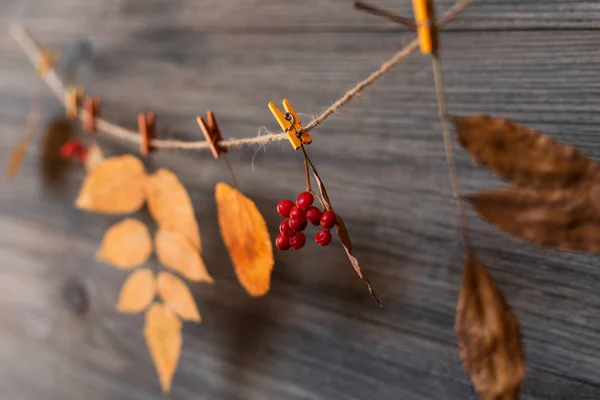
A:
46	62
147	128
291	124
92	107
425	19
212	133
72	97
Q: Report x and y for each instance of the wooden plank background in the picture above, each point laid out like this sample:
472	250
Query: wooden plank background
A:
317	335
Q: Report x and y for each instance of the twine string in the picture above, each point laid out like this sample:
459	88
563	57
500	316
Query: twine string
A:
33	50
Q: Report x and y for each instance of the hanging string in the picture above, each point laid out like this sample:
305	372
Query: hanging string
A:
33	50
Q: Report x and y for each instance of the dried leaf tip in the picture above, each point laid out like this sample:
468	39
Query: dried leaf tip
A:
488	334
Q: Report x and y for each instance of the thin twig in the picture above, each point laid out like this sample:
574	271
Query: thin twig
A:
306	172
399	19
443	113
33	51
230	168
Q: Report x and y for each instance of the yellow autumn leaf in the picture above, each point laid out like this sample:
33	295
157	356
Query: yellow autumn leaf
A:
137	292
176	252
16	158
170	205
245	234
94	157
114	186
18	153
126	244
163	337
176	295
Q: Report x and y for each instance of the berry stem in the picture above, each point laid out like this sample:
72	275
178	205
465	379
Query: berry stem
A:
325	203
306	173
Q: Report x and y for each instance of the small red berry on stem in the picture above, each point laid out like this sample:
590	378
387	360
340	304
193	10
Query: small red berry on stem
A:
285	229
297	241
284	207
313	214
282	242
323	238
297	226
68	149
297	214
328	219
305	200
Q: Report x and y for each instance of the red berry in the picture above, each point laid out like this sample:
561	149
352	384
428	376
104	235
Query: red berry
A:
297	241
297	226
328	219
305	200
313	214
323	238
297	214
282	242
68	149
284	207
285	229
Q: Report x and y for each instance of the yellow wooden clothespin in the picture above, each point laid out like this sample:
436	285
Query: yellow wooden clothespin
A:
290	123
46	62
72	97
425	19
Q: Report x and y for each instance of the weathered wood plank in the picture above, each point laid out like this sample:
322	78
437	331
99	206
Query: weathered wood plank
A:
239	16
317	335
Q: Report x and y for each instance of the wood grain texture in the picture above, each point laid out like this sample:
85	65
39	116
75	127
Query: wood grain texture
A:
317	335
238	16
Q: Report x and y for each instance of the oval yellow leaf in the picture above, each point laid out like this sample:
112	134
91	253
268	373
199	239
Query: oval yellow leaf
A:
114	186
126	244
177	296
176	252
162	331
137	292
245	234
170	205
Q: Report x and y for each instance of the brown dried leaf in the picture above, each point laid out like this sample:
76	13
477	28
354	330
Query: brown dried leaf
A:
94	157
126	244
170	205
115	186
176	252
59	131
342	232
246	236
137	292
521	155
488	334
177	296
565	220
163	337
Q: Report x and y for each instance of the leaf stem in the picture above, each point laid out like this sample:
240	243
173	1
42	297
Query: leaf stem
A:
306	173
443	114
230	168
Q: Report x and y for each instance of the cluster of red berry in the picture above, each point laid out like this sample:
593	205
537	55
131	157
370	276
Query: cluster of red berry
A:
299	214
74	149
